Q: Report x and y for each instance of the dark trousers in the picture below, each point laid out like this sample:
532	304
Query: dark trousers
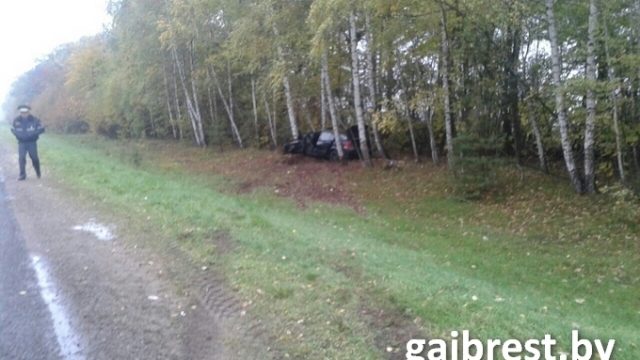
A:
31	148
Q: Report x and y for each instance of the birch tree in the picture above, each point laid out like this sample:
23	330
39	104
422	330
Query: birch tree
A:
357	99
444	62
556	69
614	99
326	80
589	132
295	133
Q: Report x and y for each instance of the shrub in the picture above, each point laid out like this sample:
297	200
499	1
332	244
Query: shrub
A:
476	163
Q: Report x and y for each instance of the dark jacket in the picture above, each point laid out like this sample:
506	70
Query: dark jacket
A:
27	129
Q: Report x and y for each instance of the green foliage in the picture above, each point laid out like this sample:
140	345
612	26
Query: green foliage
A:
125	82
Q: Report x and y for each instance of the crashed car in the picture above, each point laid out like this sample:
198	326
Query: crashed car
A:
322	144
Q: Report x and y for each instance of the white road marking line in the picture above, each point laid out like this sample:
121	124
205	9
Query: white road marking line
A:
67	339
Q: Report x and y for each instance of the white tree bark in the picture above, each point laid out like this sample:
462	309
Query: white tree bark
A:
272	127
228	106
275	115
172	123
210	98
295	133
357	100
190	108
326	80
323	106
196	104
255	109
559	98
416	156
373	101
445	86
212	112
589	132
539	144
177	101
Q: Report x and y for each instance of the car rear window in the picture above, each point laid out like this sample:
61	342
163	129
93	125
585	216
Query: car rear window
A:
325	137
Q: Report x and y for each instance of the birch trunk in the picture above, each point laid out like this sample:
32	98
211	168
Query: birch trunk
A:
589	132
614	101
255	109
177	101
290	109
323	105
232	119
326	80
445	86
228	106
416	156
275	113
426	113
174	130
295	133
190	110
210	98
272	129
196	104
618	134
373	101
539	144
559	99
357	100
211	110
432	139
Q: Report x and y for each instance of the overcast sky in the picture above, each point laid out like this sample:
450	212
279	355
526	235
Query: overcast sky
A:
31	29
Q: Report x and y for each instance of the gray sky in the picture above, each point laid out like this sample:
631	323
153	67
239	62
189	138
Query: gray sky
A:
30	29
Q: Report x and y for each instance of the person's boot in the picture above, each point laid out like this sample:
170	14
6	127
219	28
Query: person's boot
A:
22	177
36	167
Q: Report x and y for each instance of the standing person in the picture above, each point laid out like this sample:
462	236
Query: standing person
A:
27	128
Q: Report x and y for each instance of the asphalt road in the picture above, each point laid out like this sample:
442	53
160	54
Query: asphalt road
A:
26	327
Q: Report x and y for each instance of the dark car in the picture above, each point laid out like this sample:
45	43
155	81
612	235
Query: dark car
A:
321	144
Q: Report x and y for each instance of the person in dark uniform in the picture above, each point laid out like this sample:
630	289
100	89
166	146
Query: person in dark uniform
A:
27	129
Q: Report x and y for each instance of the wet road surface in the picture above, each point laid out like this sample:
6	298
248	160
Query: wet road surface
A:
26	326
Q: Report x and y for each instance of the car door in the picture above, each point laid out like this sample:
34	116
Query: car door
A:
309	143
324	144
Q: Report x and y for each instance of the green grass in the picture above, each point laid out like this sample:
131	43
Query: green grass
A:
444	265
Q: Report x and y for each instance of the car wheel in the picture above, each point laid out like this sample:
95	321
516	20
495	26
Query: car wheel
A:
333	156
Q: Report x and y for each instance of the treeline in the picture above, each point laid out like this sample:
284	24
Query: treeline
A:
529	80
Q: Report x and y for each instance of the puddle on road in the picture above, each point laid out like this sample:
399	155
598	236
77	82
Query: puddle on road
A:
102	232
67	339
